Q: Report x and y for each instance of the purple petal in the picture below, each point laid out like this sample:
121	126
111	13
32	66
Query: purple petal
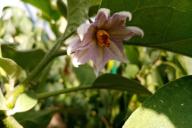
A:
102	17
119	19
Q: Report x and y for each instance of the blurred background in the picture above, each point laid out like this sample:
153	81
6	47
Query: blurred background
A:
29	29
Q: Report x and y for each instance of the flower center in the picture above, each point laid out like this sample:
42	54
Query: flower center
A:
102	38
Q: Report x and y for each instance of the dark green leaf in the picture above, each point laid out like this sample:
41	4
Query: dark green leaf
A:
37	119
26	59
62	7
167	24
110	81
170	107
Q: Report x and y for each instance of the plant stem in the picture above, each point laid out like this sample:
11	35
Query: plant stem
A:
49	94
47	58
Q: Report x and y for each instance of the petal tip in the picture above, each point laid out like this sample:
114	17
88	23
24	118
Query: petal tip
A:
128	15
105	11
136	31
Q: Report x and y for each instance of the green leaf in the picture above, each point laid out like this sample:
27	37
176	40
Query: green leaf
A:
11	68
45	7
37	119
24	103
26	59
77	12
2	101
85	74
10	122
170	107
110	81
62	7
167	24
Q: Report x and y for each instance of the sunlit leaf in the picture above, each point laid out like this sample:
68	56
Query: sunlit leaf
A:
166	24
11	68
24	103
10	122
2	101
26	59
170	107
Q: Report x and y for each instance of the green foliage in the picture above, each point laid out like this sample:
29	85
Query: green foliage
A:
169	107
11	68
111	97
78	9
10	122
28	60
85	74
109	81
31	119
166	24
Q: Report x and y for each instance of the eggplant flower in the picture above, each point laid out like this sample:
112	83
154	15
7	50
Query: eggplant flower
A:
102	40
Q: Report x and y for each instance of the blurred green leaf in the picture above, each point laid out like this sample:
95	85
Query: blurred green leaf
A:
131	71
78	12
62	7
93	10
26	59
11	68
46	8
166	24
37	119
170	107
24	103
85	74
2	101
110	81
132	54
10	122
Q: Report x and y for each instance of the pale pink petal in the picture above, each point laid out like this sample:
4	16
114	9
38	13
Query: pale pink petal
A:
119	19
81	57
122	33
119	34
75	61
74	44
134	31
82	30
102	17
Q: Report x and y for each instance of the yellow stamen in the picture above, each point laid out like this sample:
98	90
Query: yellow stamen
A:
102	38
